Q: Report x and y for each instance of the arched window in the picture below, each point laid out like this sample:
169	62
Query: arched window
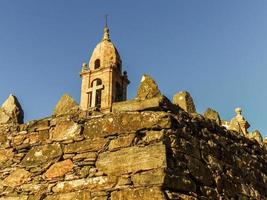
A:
97	63
95	93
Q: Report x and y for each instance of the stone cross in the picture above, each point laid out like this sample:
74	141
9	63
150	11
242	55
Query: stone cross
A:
93	91
106	20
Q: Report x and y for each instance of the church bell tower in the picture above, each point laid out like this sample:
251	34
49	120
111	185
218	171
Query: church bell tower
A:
103	82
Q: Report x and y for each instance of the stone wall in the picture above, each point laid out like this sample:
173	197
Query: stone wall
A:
147	148
159	154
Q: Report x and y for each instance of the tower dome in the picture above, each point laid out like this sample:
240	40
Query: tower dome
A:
105	54
103	83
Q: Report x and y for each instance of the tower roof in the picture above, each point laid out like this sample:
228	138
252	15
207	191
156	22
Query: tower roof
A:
105	52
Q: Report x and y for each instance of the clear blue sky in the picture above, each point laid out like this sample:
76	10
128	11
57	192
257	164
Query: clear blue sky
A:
216	50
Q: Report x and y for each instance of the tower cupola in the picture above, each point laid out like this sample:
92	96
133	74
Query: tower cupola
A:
102	79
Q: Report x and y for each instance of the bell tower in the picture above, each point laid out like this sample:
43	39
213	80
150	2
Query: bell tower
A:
102	79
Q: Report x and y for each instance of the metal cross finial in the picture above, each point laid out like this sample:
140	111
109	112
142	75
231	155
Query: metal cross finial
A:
106	20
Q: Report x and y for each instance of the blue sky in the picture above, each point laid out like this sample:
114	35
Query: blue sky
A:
216	50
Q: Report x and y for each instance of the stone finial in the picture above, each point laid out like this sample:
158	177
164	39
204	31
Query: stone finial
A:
66	105
11	111
84	67
213	115
239	123
185	101
148	88
106	34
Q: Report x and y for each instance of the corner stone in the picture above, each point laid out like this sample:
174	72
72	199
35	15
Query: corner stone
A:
132	159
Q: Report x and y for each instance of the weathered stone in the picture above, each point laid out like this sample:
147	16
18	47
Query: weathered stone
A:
180	196
199	171
38	137
123	181
142	193
11	111
5	156
78	195
59	169
147	89
159	103
16	178
3	137
132	159
84	172
151	136
37	125
89	156
148	178
256	135
120	142
185	101
40	155
126	122
86	145
94	183
180	183
66	105
212	115
209	192
4	118
18	197
66	130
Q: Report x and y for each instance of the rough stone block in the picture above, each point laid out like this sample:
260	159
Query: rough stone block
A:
212	115
148	88
40	155
141	193
66	130
66	105
185	101
59	169
11	111
159	103
151	136
121	142
89	156
199	170
180	183
94	183
126	122
132	159
148	178
78	195
86	145
19	197
5	156
16	178
37	125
